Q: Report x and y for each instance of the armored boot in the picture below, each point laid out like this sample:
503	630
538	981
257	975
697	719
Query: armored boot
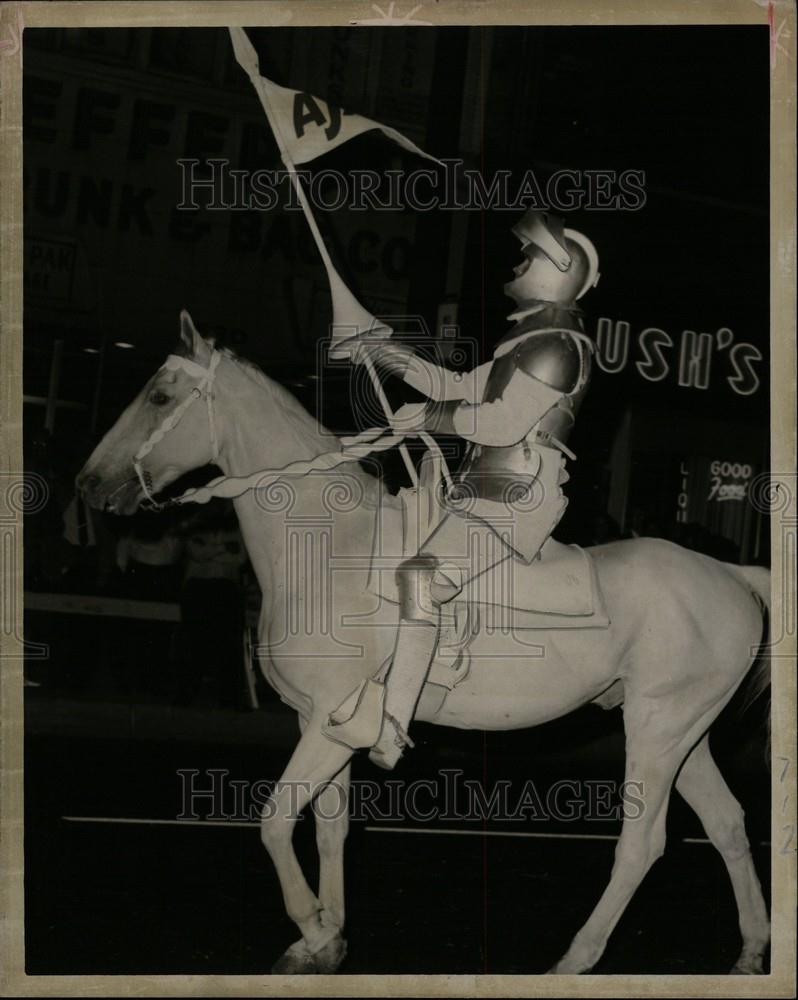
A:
416	639
377	713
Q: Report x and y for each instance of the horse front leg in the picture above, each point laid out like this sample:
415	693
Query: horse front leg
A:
331	811
315	761
332	826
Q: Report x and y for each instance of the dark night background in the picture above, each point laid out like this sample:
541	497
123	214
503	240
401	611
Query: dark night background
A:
109	261
108	113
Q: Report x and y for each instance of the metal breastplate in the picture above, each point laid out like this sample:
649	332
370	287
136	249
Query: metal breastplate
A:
506	474
556	425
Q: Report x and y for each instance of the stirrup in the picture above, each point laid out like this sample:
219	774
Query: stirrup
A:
391	745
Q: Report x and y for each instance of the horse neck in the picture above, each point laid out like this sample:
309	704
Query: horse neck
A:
264	427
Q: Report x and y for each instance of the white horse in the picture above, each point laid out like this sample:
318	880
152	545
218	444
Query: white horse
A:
685	631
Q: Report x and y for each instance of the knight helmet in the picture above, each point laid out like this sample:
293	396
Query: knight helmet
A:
560	264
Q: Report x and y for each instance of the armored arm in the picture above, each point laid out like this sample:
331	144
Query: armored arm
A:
547	367
437	383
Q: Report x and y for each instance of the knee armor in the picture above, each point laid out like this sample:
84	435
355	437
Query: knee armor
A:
414	580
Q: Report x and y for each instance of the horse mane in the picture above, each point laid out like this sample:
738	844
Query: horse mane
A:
309	434
304	426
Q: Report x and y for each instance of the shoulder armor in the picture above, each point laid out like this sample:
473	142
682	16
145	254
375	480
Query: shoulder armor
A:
554	358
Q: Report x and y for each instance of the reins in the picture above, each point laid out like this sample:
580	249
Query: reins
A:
375	439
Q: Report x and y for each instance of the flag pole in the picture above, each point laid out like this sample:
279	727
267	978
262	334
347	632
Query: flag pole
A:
248	59
368	363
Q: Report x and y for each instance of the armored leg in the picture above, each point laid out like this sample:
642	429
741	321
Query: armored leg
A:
416	639
378	713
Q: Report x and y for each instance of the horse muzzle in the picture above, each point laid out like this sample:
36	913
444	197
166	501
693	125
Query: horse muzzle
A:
120	497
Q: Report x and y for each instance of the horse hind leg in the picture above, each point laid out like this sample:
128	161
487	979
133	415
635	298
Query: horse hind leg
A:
314	763
701	785
656	746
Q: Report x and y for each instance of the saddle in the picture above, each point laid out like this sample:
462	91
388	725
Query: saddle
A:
557	590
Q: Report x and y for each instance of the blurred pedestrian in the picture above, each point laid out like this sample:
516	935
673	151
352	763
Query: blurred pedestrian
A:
149	558
213	610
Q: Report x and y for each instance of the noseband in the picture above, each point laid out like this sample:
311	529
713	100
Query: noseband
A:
204	387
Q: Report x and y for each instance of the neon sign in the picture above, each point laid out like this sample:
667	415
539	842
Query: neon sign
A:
657	354
720	488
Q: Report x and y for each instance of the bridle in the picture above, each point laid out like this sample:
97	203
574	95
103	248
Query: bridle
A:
374	439
204	388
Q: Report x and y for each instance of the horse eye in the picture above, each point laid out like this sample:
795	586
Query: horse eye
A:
158	398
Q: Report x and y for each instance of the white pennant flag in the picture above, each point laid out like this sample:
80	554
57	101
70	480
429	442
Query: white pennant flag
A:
306	126
310	127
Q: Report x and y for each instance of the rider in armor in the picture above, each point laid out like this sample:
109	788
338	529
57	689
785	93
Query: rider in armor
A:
517	411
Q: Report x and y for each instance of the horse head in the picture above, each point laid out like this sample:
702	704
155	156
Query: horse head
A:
165	432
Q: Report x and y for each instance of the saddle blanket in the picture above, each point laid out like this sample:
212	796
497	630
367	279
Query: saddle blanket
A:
559	589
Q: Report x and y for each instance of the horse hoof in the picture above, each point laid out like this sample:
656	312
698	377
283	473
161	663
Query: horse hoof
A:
298	961
747	967
295	961
571	966
329	958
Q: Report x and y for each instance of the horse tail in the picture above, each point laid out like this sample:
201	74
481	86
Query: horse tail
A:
757	579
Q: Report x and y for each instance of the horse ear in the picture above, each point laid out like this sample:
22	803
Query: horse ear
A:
194	343
188	333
